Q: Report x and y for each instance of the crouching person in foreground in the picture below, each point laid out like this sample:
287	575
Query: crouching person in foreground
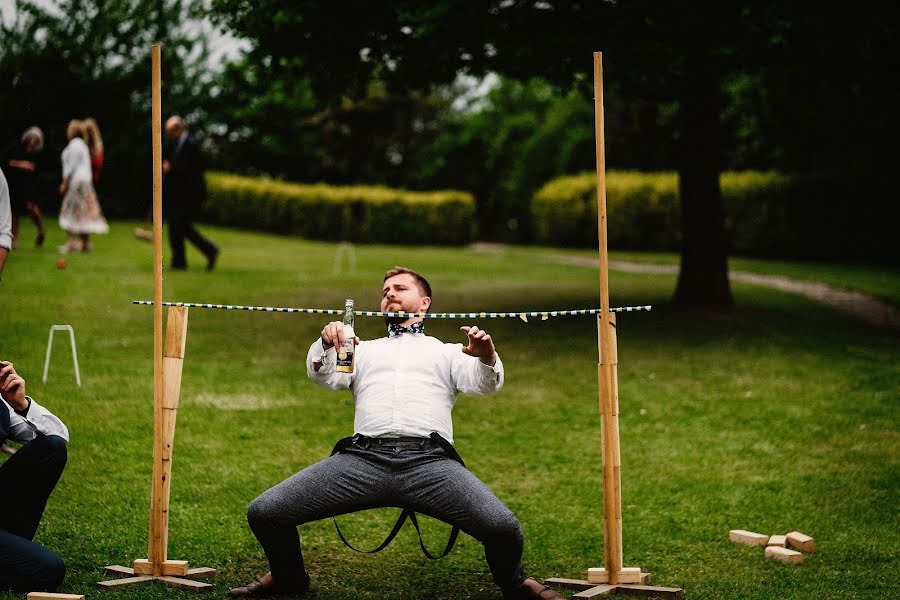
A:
26	480
404	386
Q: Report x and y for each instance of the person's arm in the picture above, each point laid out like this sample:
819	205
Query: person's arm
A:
477	368
321	359
5	222
27	419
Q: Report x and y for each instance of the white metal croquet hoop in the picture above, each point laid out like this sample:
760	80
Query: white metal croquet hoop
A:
71	331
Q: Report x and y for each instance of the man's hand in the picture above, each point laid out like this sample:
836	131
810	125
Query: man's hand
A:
12	386
166	165
333	334
480	345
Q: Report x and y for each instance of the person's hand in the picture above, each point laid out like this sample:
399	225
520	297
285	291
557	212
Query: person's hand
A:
480	345
12	386
333	334
166	165
25	165
63	188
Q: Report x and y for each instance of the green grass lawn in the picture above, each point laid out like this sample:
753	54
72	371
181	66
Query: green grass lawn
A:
779	415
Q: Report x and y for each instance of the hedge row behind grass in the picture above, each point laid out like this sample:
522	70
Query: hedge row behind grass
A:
766	214
349	213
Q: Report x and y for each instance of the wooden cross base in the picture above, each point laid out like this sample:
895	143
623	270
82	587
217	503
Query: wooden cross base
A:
175	573
588	589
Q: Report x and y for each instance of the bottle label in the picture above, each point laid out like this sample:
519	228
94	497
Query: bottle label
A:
344	360
345	353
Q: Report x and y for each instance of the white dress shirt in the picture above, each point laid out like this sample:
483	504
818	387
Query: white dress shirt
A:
37	419
405	385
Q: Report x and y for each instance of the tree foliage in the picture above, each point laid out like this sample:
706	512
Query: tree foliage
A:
713	83
78	58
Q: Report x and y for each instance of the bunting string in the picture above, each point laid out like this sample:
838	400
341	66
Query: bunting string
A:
524	315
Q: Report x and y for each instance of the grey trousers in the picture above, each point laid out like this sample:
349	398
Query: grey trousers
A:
415	475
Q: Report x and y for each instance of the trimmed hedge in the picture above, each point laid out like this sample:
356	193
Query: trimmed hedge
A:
766	214
351	213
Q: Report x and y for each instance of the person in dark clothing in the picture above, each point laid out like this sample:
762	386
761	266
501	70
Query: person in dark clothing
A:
27	478
20	165
184	190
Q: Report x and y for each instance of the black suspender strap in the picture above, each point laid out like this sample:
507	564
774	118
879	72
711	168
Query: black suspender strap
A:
404	514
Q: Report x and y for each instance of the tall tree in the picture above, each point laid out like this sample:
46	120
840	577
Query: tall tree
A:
678	55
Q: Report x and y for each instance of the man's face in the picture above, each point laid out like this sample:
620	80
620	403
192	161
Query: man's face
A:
173	130
400	292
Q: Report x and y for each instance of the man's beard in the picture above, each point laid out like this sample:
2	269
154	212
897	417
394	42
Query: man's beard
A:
395	320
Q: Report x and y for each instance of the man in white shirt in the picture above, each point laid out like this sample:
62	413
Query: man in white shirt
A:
26	480
404	387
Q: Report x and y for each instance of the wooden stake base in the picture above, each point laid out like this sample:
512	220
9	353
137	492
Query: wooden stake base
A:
182	582
587	589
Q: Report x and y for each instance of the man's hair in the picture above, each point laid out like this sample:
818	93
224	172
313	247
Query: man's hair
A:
35	137
421	282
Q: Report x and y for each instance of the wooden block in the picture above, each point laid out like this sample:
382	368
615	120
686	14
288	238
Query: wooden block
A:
790	557
179	568
201	572
748	537
645	578
143	566
115	583
50	596
801	541
186	584
626	575
653	591
569	584
600	591
778	540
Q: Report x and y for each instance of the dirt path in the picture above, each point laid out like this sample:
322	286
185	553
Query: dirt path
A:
859	305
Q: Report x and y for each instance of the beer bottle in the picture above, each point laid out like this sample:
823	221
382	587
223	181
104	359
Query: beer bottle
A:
346	351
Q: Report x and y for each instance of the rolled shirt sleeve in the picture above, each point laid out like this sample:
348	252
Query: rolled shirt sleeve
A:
473	376
37	420
326	377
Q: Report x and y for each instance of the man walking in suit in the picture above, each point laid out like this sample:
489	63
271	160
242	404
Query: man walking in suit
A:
184	190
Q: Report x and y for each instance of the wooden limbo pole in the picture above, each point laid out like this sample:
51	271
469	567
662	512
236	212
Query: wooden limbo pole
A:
167	365
612	577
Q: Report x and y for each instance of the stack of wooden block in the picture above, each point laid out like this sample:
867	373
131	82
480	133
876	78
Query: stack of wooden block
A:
777	545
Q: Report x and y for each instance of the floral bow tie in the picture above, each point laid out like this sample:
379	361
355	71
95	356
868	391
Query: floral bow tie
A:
394	329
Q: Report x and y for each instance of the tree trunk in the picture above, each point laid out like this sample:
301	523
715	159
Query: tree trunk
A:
703	276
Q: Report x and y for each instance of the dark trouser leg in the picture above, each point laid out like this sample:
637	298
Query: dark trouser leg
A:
177	232
341	484
28	567
27	478
203	244
446	490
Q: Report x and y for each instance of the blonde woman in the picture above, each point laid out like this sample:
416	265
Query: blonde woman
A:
80	215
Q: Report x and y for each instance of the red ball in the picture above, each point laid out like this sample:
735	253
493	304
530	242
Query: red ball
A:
61	263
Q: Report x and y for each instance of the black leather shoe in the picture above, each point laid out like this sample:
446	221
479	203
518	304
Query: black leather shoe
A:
530	589
264	587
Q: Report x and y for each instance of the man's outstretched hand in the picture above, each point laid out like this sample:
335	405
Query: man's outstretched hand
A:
12	386
480	345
